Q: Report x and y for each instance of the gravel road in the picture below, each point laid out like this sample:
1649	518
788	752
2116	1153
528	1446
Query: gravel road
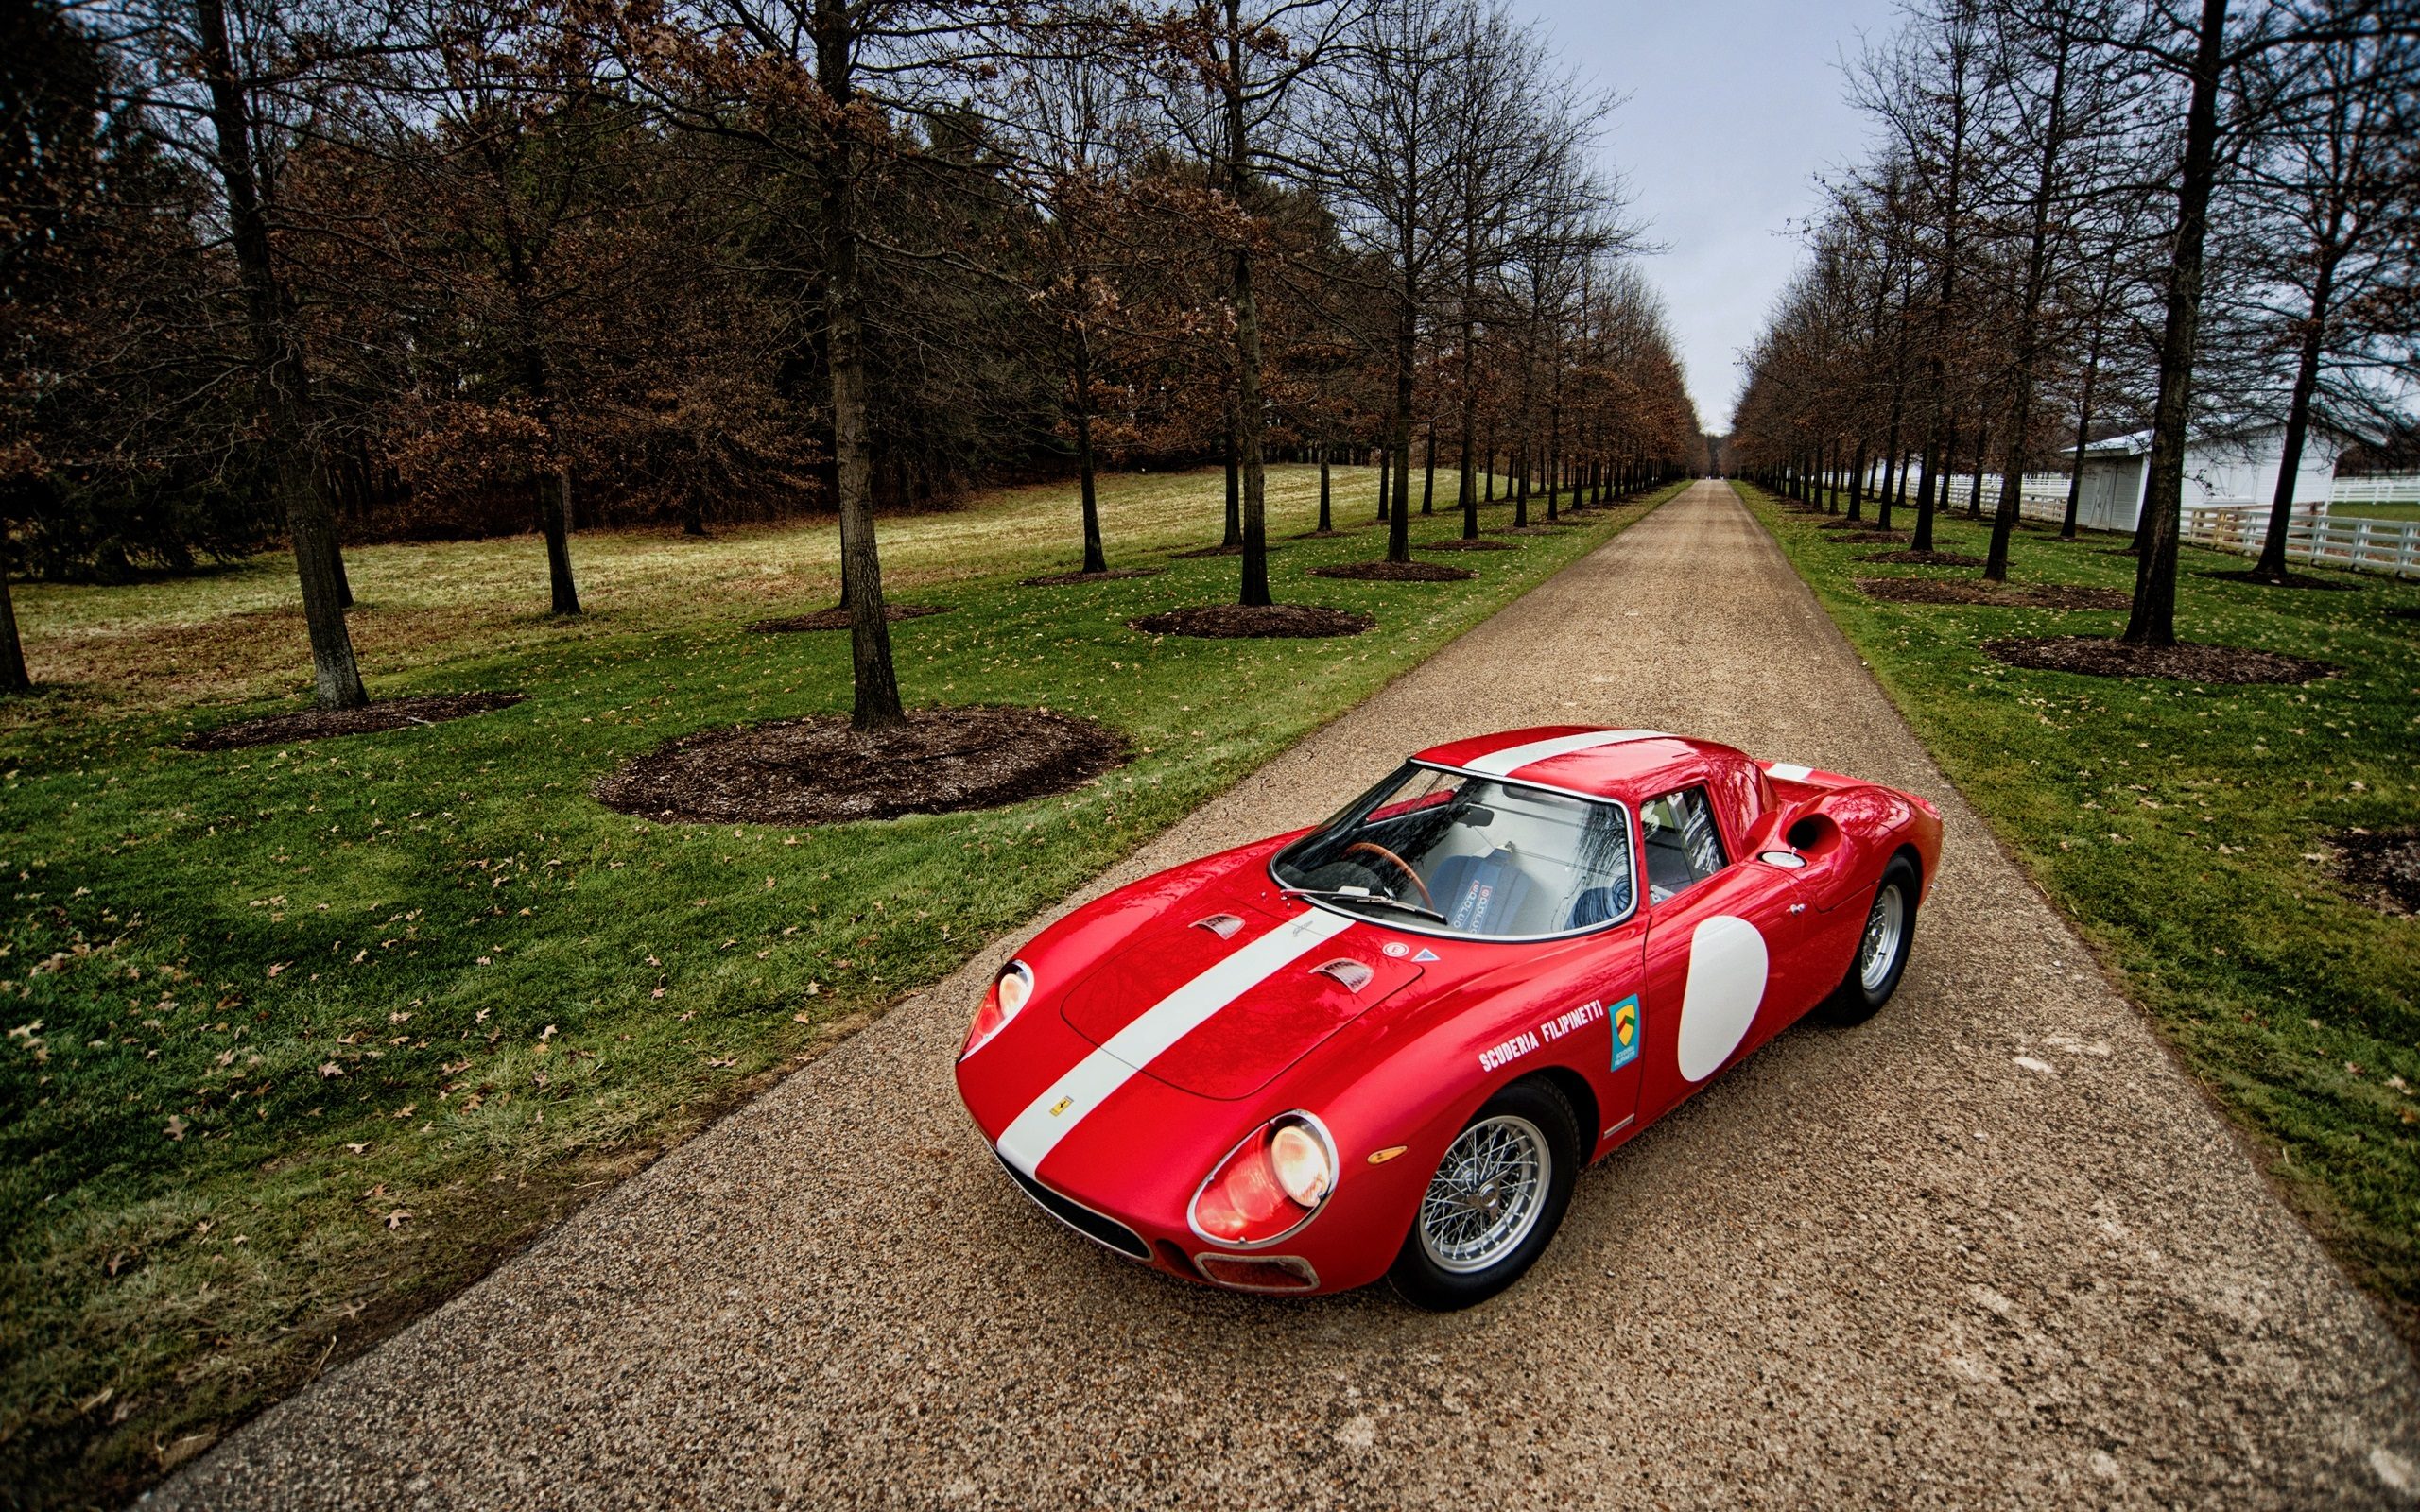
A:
1992	1248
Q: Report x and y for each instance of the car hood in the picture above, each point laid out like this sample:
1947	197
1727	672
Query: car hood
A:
1254	1034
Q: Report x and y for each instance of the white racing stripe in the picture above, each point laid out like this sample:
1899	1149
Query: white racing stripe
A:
1513	758
1035	1133
1788	771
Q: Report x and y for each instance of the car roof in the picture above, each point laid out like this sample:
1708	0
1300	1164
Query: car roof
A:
1596	760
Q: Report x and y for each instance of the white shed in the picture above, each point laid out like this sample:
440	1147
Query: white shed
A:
2237	469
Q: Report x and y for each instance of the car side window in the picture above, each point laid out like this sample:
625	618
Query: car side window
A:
1682	844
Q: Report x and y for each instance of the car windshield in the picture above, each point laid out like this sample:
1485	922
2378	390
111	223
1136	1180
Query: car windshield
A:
1470	855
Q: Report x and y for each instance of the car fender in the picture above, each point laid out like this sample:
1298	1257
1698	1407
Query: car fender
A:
1394	1090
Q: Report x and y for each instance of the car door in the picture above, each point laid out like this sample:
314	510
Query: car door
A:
1722	943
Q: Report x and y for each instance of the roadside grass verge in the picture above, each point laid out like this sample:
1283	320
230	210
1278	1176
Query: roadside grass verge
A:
2185	829
301	1038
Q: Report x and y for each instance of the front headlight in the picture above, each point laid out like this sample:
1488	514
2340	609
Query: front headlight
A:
1268	1186
1301	1163
1011	991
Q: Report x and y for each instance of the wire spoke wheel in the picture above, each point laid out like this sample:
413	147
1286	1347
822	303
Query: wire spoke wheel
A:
1886	928
1486	1194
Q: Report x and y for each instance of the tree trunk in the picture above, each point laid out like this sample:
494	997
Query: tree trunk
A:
1932	490
1894	467
553	509
2272	565
1253	589
1428	472
876	705
1856	482
281	380
1235	532
1325	522
1399	420
13	678
1386	482
1467	487
1095	559
2083	433
2152	618
1975	483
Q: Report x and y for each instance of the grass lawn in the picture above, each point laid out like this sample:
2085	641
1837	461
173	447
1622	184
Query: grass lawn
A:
2376	511
2185	828
302	1038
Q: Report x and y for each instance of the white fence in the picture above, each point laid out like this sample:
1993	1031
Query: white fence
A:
2315	538
2392	487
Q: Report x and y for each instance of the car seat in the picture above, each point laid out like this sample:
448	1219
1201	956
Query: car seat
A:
1595	905
1481	894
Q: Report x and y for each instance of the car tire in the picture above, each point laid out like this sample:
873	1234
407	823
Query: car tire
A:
1460	1260
1889	926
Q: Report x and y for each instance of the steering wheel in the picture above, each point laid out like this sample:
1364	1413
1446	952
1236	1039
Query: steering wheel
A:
1401	865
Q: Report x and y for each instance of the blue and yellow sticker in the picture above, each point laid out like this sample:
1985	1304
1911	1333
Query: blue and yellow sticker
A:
1625	1031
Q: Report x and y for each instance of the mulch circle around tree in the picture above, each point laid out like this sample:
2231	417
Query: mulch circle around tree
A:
1527	530
2098	656
820	771
1464	546
1238	622
1860	538
837	618
1923	558
1113	575
2385	862
1846	524
2401	613
1219	551
318	724
2291	580
1324	534
1970	591
1397	571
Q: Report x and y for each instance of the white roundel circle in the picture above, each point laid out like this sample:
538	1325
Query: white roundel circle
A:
1726	982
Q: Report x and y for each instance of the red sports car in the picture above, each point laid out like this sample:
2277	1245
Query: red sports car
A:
1385	1045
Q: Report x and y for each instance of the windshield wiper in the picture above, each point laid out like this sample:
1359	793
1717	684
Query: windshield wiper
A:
1356	895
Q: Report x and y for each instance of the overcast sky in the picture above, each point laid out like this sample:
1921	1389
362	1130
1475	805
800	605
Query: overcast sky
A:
1733	106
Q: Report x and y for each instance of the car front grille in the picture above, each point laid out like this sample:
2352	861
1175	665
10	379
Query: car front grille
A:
1093	1226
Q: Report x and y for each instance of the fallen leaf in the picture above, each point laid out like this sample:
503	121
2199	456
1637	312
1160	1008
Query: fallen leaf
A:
397	1218
176	1130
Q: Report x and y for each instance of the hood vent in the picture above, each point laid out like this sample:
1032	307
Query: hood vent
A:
1352	973
1223	925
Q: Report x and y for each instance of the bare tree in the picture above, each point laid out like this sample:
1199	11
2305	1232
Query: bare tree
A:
2336	182
229	88
1232	74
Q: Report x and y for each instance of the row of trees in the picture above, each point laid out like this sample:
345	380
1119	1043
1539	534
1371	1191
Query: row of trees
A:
2083	217
319	268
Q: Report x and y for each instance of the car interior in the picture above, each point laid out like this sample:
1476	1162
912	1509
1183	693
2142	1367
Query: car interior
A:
1492	858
